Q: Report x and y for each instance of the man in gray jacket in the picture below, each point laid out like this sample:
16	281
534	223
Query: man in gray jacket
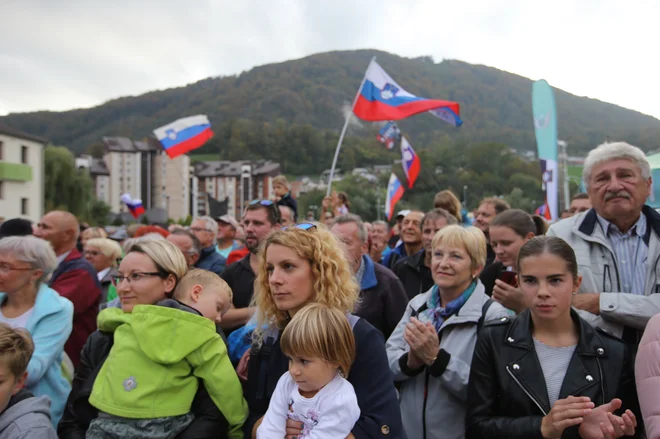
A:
617	242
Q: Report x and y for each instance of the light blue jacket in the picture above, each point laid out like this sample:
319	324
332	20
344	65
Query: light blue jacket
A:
50	326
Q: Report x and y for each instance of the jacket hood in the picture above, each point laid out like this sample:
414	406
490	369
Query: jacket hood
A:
167	333
23	404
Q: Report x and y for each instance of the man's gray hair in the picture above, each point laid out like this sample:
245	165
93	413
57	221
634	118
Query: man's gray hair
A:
196	247
348	218
211	225
286	209
36	252
614	151
381	223
438	213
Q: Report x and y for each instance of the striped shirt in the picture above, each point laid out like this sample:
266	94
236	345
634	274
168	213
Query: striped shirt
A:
631	253
554	363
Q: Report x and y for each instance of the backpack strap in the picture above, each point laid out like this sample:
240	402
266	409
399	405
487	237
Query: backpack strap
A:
484	311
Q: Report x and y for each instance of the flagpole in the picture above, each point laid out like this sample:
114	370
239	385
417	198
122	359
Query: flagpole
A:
343	130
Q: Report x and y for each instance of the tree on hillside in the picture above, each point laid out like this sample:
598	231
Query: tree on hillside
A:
71	189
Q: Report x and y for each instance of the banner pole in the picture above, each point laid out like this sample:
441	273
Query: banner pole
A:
343	130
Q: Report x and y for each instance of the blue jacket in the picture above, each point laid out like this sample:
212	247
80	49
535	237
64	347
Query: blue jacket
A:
392	257
211	260
50	326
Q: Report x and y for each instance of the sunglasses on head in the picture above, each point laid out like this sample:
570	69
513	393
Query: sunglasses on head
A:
269	204
301	226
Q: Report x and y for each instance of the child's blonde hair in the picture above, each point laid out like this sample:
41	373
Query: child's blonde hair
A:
205	278
16	348
281	180
320	331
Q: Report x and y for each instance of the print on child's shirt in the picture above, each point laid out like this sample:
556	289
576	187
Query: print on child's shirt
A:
309	421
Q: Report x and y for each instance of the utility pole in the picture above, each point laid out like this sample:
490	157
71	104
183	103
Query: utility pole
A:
564	156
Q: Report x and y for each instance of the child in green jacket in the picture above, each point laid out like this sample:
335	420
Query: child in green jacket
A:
147	384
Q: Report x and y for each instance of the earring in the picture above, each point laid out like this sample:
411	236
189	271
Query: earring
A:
341	373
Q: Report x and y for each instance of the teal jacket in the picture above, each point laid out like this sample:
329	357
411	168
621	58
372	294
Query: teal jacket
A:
159	352
50	326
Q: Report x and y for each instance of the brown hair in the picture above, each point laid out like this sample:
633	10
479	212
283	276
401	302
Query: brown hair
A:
498	204
281	180
320	331
437	214
197	276
448	201
580	196
551	245
520	222
16	348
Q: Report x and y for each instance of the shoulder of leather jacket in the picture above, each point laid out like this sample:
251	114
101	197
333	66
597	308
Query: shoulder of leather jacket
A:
498	322
609	335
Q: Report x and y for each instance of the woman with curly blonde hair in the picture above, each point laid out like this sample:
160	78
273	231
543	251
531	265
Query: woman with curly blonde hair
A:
300	265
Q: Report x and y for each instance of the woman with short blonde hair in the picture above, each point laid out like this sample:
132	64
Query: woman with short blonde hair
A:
104	255
300	265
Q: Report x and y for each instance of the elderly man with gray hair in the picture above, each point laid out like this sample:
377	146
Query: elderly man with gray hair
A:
617	243
205	229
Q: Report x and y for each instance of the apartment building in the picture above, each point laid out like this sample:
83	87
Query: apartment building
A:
21	175
99	174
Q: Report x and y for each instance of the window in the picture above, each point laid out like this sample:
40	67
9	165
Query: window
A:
24	154
24	206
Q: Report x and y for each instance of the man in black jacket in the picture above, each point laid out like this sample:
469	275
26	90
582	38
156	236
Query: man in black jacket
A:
382	297
415	271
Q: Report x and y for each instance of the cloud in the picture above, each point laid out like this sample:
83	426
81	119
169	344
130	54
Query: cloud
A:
62	55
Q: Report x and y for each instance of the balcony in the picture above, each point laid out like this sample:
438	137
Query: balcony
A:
15	172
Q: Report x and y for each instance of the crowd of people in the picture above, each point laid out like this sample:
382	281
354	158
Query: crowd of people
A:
275	327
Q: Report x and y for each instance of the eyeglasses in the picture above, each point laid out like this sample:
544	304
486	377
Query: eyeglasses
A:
133	277
5	269
302	226
199	229
269	204
91	253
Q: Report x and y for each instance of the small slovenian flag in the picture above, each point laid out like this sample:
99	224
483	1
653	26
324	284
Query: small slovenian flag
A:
389	134
410	162
184	135
394	194
135	206
381	98
544	211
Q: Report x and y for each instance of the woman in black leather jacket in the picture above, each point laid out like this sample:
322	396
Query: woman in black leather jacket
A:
547	373
149	275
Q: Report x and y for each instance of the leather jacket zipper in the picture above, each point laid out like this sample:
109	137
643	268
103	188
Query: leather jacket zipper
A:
526	392
602	381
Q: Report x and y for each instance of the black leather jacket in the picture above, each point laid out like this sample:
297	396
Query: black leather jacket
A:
78	412
507	397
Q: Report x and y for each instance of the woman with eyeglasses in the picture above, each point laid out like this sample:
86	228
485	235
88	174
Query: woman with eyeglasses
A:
26	263
103	254
148	274
301	265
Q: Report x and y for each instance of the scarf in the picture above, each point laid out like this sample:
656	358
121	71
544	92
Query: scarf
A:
437	314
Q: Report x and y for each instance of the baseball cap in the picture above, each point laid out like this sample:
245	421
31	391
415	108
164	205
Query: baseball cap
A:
229	220
403	213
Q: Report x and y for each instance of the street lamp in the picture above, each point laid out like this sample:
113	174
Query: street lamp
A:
465	188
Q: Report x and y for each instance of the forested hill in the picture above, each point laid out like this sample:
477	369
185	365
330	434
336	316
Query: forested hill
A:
257	112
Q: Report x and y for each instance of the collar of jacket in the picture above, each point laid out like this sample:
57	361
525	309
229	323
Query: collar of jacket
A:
416	261
588	224
369	277
520	335
206	252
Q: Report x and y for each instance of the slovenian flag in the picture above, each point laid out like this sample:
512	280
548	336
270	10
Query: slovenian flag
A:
184	135
544	211
381	98
394	194
135	206
389	134
410	162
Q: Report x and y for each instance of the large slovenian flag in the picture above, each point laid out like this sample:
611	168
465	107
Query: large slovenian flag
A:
134	206
184	135
389	134
394	193
381	98
410	162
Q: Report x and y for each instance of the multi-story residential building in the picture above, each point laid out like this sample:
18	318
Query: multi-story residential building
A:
99	174
238	182
21	175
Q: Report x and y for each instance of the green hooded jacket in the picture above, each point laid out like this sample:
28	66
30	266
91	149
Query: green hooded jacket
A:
159	351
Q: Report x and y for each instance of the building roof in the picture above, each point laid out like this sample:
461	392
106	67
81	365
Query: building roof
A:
98	167
225	168
4	129
124	144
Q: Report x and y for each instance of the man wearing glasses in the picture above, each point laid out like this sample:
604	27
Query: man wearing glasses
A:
260	219
206	230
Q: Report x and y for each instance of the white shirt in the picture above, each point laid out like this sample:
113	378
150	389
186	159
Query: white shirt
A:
62	257
101	274
330	414
20	321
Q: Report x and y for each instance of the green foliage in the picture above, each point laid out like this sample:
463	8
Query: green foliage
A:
71	189
294	109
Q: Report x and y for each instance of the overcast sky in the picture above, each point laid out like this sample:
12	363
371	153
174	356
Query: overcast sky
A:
59	55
